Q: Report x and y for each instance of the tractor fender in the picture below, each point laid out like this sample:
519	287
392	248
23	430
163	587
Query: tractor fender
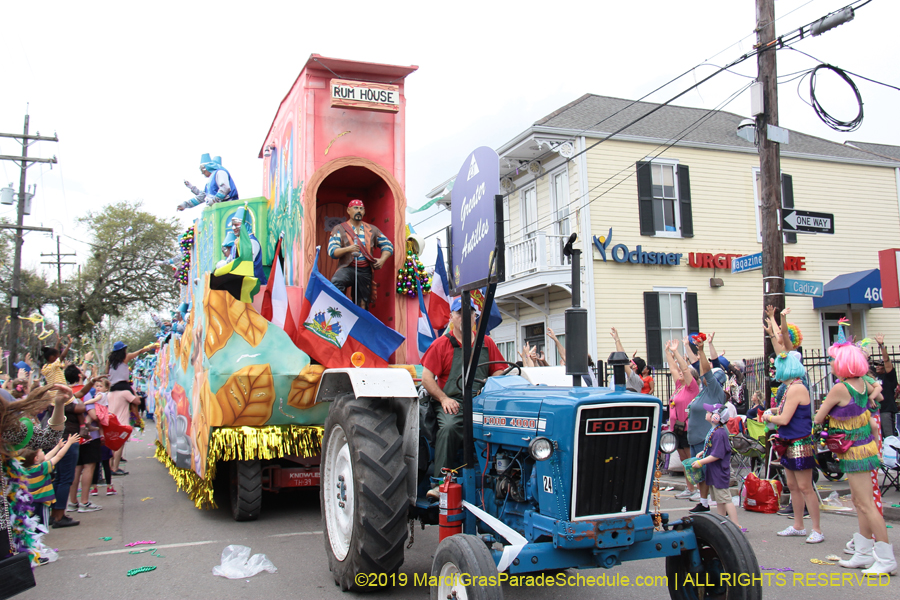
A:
393	387
369	383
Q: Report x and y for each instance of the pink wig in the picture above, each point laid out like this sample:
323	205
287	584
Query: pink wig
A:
849	361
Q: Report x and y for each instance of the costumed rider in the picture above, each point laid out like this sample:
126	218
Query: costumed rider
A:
232	242
219	188
352	243
442	366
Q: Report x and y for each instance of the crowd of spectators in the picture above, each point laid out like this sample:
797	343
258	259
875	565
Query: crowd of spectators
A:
52	443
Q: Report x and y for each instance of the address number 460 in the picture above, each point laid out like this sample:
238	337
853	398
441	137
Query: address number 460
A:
873	294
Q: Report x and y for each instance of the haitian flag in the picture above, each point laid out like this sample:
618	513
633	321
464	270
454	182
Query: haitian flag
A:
439	302
332	327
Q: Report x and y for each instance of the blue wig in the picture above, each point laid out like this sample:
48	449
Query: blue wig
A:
788	366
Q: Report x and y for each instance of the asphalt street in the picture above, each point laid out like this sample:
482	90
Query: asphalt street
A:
289	533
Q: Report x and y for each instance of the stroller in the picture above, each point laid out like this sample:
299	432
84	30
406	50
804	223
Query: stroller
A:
890	464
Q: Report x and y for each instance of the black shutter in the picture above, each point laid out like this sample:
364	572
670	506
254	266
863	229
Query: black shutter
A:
693	313
645	198
787	201
684	201
652	326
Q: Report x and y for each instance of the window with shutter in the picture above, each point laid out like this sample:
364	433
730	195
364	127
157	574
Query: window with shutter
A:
652	329
664	199
669	314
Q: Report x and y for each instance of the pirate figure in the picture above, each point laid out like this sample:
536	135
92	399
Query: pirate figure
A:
352	243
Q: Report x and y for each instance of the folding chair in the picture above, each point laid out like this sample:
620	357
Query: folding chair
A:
890	464
749	451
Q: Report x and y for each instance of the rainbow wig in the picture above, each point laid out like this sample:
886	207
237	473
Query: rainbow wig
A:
849	361
788	366
795	335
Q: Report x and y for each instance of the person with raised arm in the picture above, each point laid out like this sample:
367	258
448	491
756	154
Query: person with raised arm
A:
686	389
847	412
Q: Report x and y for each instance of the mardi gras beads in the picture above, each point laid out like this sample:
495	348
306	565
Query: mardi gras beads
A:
139	570
187	244
412	270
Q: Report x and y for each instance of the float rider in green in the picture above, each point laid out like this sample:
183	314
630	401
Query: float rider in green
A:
442	366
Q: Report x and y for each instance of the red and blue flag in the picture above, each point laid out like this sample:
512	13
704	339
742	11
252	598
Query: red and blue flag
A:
332	327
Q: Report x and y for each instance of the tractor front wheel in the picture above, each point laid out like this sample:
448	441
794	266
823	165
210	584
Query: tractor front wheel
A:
459	562
728	566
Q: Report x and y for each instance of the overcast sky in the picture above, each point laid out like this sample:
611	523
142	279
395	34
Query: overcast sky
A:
136	95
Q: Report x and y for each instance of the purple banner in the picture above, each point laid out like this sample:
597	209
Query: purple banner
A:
473	223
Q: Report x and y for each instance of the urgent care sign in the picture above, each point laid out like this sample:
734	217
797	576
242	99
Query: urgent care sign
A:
708	260
889	265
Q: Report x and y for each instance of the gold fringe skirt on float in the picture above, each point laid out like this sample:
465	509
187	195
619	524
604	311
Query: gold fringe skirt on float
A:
242	443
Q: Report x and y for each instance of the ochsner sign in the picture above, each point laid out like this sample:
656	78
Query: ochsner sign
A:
473	226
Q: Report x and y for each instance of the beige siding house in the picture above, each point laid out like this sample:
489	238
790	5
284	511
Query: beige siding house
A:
671	200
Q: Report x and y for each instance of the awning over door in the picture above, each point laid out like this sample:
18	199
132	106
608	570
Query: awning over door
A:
860	290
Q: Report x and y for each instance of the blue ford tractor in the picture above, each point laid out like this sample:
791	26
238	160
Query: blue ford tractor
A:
556	477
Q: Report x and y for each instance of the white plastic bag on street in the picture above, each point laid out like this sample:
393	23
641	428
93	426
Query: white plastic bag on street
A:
833	500
237	563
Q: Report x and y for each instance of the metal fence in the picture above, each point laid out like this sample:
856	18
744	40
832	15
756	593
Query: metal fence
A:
756	375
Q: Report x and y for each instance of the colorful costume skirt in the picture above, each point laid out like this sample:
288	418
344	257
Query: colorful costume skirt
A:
800	454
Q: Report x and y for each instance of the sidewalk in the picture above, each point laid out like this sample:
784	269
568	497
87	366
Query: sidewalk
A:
891	496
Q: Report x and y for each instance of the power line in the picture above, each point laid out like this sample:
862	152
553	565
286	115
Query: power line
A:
893	87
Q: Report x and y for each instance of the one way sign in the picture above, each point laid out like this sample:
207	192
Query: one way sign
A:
804	221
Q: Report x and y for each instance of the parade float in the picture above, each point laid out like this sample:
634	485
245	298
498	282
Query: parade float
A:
232	389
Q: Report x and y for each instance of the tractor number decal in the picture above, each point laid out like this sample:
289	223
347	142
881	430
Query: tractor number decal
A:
617	425
548	484
509	422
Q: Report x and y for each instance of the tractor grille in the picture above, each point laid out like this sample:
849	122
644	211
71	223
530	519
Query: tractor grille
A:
613	459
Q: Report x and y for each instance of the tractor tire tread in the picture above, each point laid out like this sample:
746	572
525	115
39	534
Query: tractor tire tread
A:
381	504
246	498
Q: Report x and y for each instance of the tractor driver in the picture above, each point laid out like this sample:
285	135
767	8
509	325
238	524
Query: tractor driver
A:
352	243
442	365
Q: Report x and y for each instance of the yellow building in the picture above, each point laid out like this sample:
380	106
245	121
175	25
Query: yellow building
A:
662	208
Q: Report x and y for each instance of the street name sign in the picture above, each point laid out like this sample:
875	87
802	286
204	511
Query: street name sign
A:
804	221
798	287
751	262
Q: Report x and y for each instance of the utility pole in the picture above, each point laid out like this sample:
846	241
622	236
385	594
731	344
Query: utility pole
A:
59	263
769	163
24	162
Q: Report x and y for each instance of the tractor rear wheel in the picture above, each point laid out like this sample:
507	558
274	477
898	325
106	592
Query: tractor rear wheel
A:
723	550
246	489
363	491
459	562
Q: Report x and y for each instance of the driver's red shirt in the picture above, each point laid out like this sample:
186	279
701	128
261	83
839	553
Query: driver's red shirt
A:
439	358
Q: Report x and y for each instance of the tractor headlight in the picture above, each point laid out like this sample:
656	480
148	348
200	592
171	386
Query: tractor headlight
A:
540	448
668	442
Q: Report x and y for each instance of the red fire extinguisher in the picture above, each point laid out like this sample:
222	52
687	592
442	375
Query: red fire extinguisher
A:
450	519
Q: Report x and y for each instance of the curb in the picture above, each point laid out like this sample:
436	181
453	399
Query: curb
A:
890	513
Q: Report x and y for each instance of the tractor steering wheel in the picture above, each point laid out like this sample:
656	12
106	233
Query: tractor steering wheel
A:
512	366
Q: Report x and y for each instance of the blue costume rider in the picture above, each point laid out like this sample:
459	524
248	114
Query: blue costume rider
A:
219	188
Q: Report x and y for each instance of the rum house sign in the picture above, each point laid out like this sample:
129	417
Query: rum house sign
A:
365	96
